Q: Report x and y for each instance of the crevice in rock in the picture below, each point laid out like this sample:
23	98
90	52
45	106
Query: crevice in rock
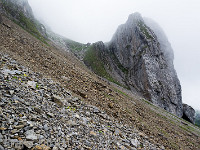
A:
186	118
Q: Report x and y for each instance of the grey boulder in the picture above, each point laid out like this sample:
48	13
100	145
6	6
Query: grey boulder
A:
188	113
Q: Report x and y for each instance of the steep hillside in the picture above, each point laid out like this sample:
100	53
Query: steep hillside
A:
77	106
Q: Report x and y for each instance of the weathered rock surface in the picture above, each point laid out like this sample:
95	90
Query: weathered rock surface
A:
21	12
13	6
1	19
188	113
141	58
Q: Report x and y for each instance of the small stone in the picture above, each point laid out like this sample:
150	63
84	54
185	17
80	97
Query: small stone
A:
110	105
55	148
135	142
58	100
11	92
65	78
16	98
30	135
96	110
41	137
2	104
77	116
2	129
41	147
19	139
93	133
10	127
37	147
117	131
162	147
38	110
14	131
46	128
28	144
30	123
50	114
141	134
19	126
71	123
87	113
32	84
1	147
81	94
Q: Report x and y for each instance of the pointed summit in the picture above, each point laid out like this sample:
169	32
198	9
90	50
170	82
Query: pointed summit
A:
135	17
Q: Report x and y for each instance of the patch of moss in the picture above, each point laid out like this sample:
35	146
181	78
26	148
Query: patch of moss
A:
75	46
197	123
121	92
93	61
143	28
119	65
30	27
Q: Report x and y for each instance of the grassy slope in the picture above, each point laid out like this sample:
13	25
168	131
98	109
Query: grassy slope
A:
93	60
75	46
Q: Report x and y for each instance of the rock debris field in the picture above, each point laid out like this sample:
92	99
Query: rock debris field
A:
37	113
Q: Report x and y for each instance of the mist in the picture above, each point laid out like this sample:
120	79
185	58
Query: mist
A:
97	20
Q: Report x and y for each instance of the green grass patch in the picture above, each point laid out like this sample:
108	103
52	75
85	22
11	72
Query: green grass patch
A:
92	59
121	92
143	28
119	65
75	46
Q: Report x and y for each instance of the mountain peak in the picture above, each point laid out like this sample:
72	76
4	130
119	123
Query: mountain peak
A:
134	17
144	65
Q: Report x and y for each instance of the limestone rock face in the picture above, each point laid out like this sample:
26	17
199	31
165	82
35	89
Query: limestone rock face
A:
140	57
13	6
21	12
188	113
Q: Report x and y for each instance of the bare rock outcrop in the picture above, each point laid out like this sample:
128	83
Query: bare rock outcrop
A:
188	113
141	58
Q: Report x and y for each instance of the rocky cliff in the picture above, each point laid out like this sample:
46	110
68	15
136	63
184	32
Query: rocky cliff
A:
188	113
150	67
140	57
21	13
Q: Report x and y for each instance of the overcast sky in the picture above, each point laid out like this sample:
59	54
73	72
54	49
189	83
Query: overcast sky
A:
97	20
